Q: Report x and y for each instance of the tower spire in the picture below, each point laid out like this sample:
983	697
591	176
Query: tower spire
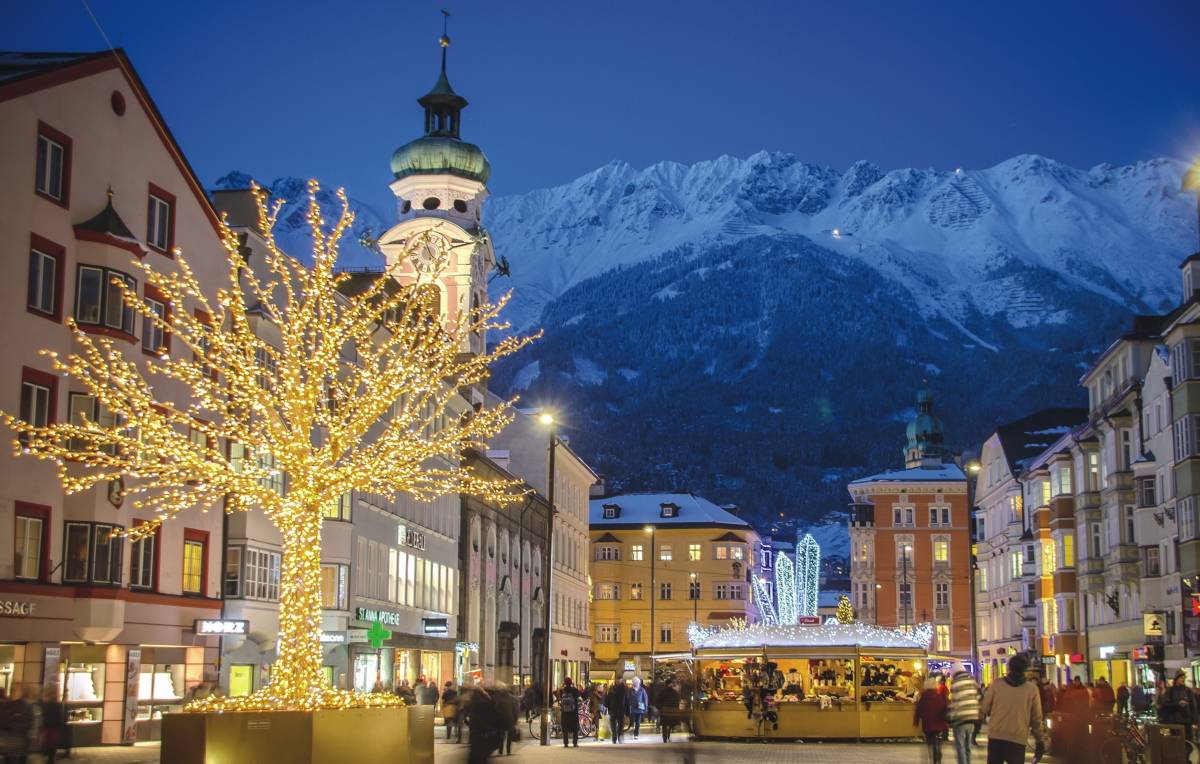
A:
444	40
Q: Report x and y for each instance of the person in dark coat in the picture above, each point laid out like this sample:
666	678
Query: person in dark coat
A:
507	714
668	709
616	702
569	700
1177	705
482	723
638	705
450	710
930	713
54	724
16	722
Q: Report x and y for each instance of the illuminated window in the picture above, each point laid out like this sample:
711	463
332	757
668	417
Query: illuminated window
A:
664	552
636	553
941	551
194	545
339	509
1049	563
1068	547
635	591
942	637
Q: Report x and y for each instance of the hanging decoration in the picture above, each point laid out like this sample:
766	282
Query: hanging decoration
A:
762	598
360	392
808	575
826	635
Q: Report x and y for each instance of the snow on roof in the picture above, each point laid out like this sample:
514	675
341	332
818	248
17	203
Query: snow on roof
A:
646	509
915	474
829	635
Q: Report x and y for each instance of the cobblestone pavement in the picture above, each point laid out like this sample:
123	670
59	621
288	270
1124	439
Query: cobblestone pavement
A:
643	750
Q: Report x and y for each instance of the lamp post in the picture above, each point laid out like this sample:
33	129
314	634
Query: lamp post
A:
695	595
653	584
548	566
905	591
973	468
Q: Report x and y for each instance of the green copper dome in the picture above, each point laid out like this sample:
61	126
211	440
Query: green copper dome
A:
925	430
440	154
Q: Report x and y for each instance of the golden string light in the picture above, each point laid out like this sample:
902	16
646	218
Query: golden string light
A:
363	391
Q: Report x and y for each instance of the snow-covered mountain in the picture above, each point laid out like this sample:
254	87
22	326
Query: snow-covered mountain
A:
958	241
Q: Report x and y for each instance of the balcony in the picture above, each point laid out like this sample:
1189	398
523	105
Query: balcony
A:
1123	554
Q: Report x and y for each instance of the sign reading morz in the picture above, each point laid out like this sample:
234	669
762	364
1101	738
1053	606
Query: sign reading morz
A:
220	627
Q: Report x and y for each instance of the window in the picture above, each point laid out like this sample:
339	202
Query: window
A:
83	408
1093	473
45	278
261	575
335	586
728	590
1152	559
1146	492
608	632
233	572
1097	542
1049	558
1130	526
1015	564
665	634
1030	594
608	552
635	633
156	340
664	590
160	220
933	516
611	511
38	393
694	552
195	561
983	579
1045	485
142	559
636	552
31	545
1068	550
664	552
339	509
1186	512
693	590
92	553
53	168
635	591
905	595
942	637
941	595
99	301
608	591
203	342
941	551
669	510
1064	481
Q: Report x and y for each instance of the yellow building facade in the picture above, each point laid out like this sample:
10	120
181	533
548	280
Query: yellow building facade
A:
660	562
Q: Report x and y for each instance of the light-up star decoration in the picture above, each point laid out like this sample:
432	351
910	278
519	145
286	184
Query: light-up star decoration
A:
363	390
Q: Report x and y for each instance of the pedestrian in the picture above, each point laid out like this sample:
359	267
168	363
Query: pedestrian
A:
638	702
54	723
450	710
930	713
1103	697
668	709
963	713
16	723
1123	700
1013	708
427	694
1139	698
507	714
616	703
1177	704
481	719
569	700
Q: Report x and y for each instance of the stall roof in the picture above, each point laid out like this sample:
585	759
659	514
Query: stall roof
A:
830	635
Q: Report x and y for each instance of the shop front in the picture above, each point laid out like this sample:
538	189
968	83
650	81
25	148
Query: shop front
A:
120	661
572	658
385	648
815	682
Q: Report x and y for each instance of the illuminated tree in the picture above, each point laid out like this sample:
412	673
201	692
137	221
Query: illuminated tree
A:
808	575
359	394
845	611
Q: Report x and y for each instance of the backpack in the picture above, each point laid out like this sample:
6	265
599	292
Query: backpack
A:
567	703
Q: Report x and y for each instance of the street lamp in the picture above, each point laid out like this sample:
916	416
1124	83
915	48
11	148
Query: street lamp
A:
547	420
653	584
695	595
906	591
973	468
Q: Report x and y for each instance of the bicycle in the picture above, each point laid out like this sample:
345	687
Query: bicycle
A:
1125	744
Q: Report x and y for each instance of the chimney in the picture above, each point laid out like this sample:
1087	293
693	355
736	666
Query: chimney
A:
598	489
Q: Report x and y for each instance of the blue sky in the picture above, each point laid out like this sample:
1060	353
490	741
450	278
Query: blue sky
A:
559	88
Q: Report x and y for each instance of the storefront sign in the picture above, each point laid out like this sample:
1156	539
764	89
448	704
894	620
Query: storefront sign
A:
436	625
133	674
356	636
1152	624
334	637
406	536
1049	659
1075	658
809	620
1140	653
630	666
1106	651
220	627
371	615
53	659
16	608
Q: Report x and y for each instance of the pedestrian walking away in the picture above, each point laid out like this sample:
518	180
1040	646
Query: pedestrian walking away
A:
963	713
930	713
569	700
616	702
450	710
482	724
507	713
668	709
1013	708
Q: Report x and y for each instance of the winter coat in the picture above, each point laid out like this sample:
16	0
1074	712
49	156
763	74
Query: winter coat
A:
507	712
1177	705
637	700
964	699
1013	707
668	703
569	719
930	711
1103	697
427	694
615	701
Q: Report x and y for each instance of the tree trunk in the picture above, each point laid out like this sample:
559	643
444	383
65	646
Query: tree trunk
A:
296	676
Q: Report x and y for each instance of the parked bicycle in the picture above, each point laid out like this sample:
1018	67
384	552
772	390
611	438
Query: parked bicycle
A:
587	724
1124	743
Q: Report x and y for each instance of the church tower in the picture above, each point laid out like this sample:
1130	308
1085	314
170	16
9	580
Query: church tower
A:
926	440
440	183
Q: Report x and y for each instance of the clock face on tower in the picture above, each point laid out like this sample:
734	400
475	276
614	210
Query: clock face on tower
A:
431	257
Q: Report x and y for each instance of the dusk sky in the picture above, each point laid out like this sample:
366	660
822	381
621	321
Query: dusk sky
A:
558	89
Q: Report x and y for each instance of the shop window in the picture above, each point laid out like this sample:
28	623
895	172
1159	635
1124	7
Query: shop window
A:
45	278
195	561
144	560
31	545
83	689
53	167
160	220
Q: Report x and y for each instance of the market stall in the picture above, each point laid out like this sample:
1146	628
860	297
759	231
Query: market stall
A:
844	681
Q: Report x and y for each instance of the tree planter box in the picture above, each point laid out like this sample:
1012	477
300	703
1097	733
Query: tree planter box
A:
400	735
